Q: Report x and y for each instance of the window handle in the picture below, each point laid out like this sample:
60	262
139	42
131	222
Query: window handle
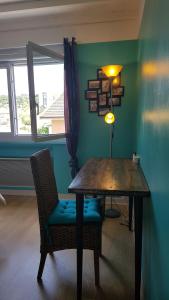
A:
37	108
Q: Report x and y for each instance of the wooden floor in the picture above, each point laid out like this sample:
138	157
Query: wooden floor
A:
19	259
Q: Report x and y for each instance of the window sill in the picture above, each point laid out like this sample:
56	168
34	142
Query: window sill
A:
29	141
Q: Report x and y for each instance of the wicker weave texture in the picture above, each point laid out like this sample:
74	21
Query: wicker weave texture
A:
58	237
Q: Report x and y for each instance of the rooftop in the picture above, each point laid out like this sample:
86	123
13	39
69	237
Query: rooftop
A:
55	110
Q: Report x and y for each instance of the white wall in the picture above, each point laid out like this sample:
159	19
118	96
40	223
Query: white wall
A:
85	33
47	22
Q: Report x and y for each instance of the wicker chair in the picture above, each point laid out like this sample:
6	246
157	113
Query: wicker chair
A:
57	235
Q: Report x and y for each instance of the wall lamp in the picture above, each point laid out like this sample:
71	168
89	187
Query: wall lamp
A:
113	73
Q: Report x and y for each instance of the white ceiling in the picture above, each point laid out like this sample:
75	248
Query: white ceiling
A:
88	20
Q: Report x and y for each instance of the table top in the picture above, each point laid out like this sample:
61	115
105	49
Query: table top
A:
105	176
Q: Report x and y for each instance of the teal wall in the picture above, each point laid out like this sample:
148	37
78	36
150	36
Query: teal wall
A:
153	145
94	133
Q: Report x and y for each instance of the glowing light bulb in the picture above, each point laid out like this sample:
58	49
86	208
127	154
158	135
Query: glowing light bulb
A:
116	81
109	118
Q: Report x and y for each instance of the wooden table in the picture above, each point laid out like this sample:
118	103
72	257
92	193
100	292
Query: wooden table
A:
117	177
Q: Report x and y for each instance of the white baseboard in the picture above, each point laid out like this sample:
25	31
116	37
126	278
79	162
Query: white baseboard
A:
17	192
116	200
30	193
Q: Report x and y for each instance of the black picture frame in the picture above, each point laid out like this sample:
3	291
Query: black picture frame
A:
91	94
102	99
118	91
102	111
116	101
100	74
93	84
93	106
105	85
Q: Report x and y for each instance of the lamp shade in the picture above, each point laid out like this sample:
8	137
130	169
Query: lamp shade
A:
112	70
109	118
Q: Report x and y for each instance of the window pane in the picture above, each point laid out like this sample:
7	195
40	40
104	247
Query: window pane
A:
49	88
22	100
5	125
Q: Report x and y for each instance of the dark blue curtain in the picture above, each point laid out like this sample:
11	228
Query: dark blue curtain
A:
71	102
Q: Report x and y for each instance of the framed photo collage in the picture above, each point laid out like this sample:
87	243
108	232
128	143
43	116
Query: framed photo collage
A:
98	94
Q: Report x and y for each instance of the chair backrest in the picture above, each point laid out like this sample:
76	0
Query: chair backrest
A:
45	184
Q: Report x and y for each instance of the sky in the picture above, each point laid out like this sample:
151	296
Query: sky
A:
48	78
3	82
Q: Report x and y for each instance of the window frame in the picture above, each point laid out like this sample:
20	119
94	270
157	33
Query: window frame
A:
11	100
30	48
9	66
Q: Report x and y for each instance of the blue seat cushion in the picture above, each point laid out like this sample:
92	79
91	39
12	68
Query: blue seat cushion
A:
65	212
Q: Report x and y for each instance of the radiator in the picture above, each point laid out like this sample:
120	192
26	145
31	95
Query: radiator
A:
15	172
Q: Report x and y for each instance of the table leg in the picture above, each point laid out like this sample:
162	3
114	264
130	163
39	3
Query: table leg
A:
130	212
79	236
138	215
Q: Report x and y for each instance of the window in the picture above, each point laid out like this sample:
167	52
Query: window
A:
5	124
22	100
31	95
